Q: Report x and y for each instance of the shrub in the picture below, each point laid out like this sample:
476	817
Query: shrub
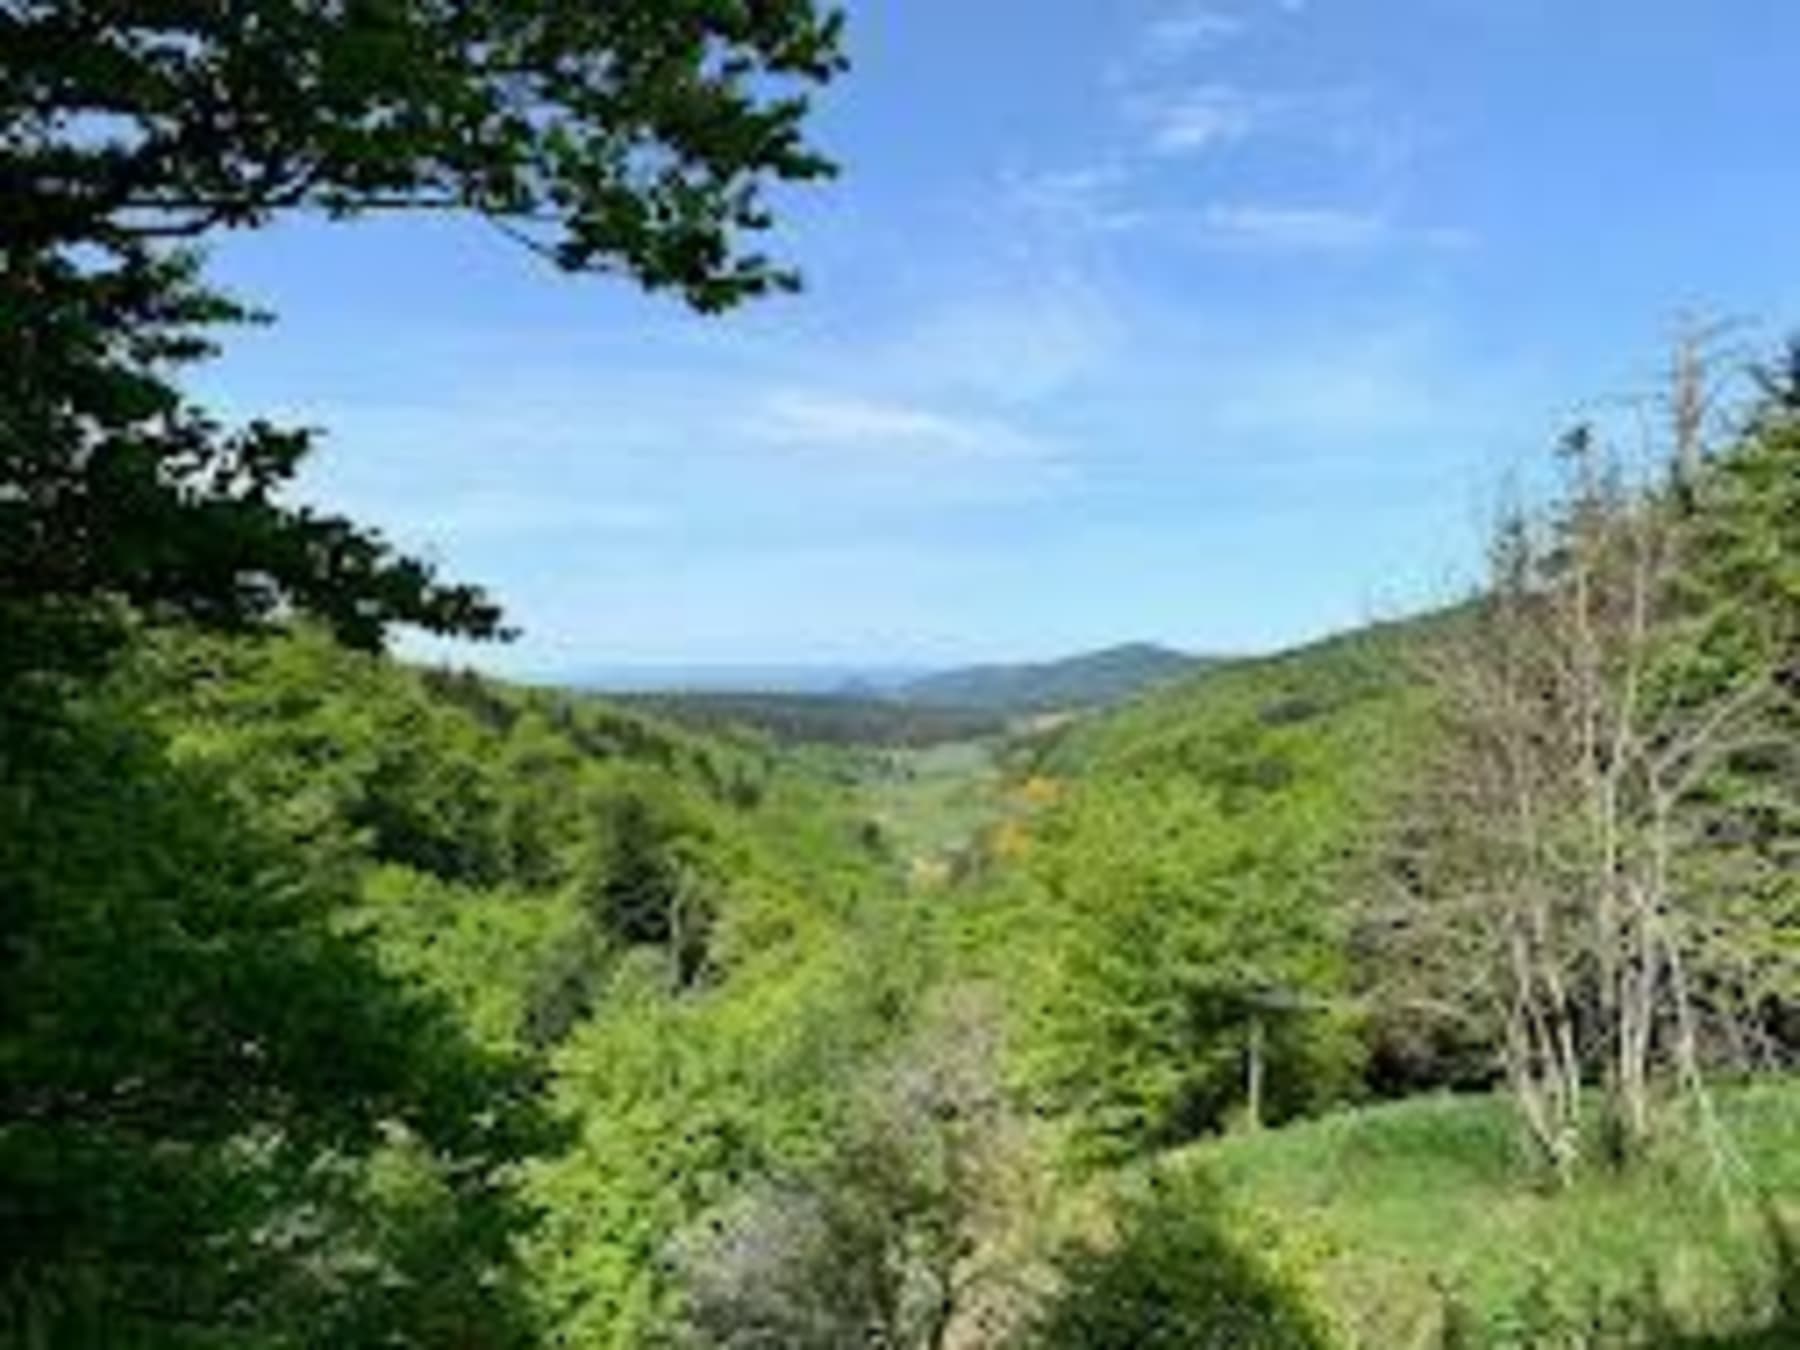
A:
1175	1275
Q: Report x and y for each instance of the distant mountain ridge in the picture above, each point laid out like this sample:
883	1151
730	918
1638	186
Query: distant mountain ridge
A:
821	679
891	705
1088	680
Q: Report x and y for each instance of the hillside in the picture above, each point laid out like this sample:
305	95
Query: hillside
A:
1404	1214
747	1014
1092	679
1221	703
819	679
1184	858
798	706
549	1020
1420	1225
823	719
405	916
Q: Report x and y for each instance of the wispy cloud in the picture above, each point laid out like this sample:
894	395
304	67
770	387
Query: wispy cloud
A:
1198	27
1308	228
1195	120
1328	229
1178	35
1085	201
1347	122
1176	97
832	421
1110	206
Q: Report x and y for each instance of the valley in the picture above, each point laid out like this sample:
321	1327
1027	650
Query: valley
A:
750	729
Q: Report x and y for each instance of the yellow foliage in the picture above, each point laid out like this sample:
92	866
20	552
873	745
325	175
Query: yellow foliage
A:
1009	840
930	873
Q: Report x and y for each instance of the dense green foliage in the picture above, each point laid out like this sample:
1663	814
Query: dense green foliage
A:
289	938
642	142
328	916
224	1122
1176	1277
1185	903
1741	611
432	1010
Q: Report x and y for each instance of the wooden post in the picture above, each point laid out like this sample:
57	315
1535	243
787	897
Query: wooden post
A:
1253	1072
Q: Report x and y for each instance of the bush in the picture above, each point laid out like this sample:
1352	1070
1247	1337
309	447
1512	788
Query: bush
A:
1176	1276
896	1237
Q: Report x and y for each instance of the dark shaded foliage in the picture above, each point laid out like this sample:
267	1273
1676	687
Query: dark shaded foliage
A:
113	485
826	719
205	1083
637	139
1175	1277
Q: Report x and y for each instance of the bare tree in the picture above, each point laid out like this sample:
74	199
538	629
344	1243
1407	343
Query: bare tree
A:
1581	712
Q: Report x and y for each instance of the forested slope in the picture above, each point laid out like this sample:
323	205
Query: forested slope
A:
436	1011
1191	882
432	1010
370	962
1542	842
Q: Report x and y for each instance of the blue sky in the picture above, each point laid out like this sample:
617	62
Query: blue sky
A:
1214	323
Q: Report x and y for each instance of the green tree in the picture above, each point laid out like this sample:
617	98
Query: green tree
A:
1175	1276
654	890
221	1122
640	139
1735	633
635	138
1195	954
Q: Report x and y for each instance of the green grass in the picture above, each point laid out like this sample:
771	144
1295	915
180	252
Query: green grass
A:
1391	1209
934	801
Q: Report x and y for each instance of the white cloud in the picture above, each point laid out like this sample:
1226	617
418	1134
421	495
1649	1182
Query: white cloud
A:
1349	122
1289	227
1185	32
1349	134
1095	205
1193	121
832	421
1302	229
1088	200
